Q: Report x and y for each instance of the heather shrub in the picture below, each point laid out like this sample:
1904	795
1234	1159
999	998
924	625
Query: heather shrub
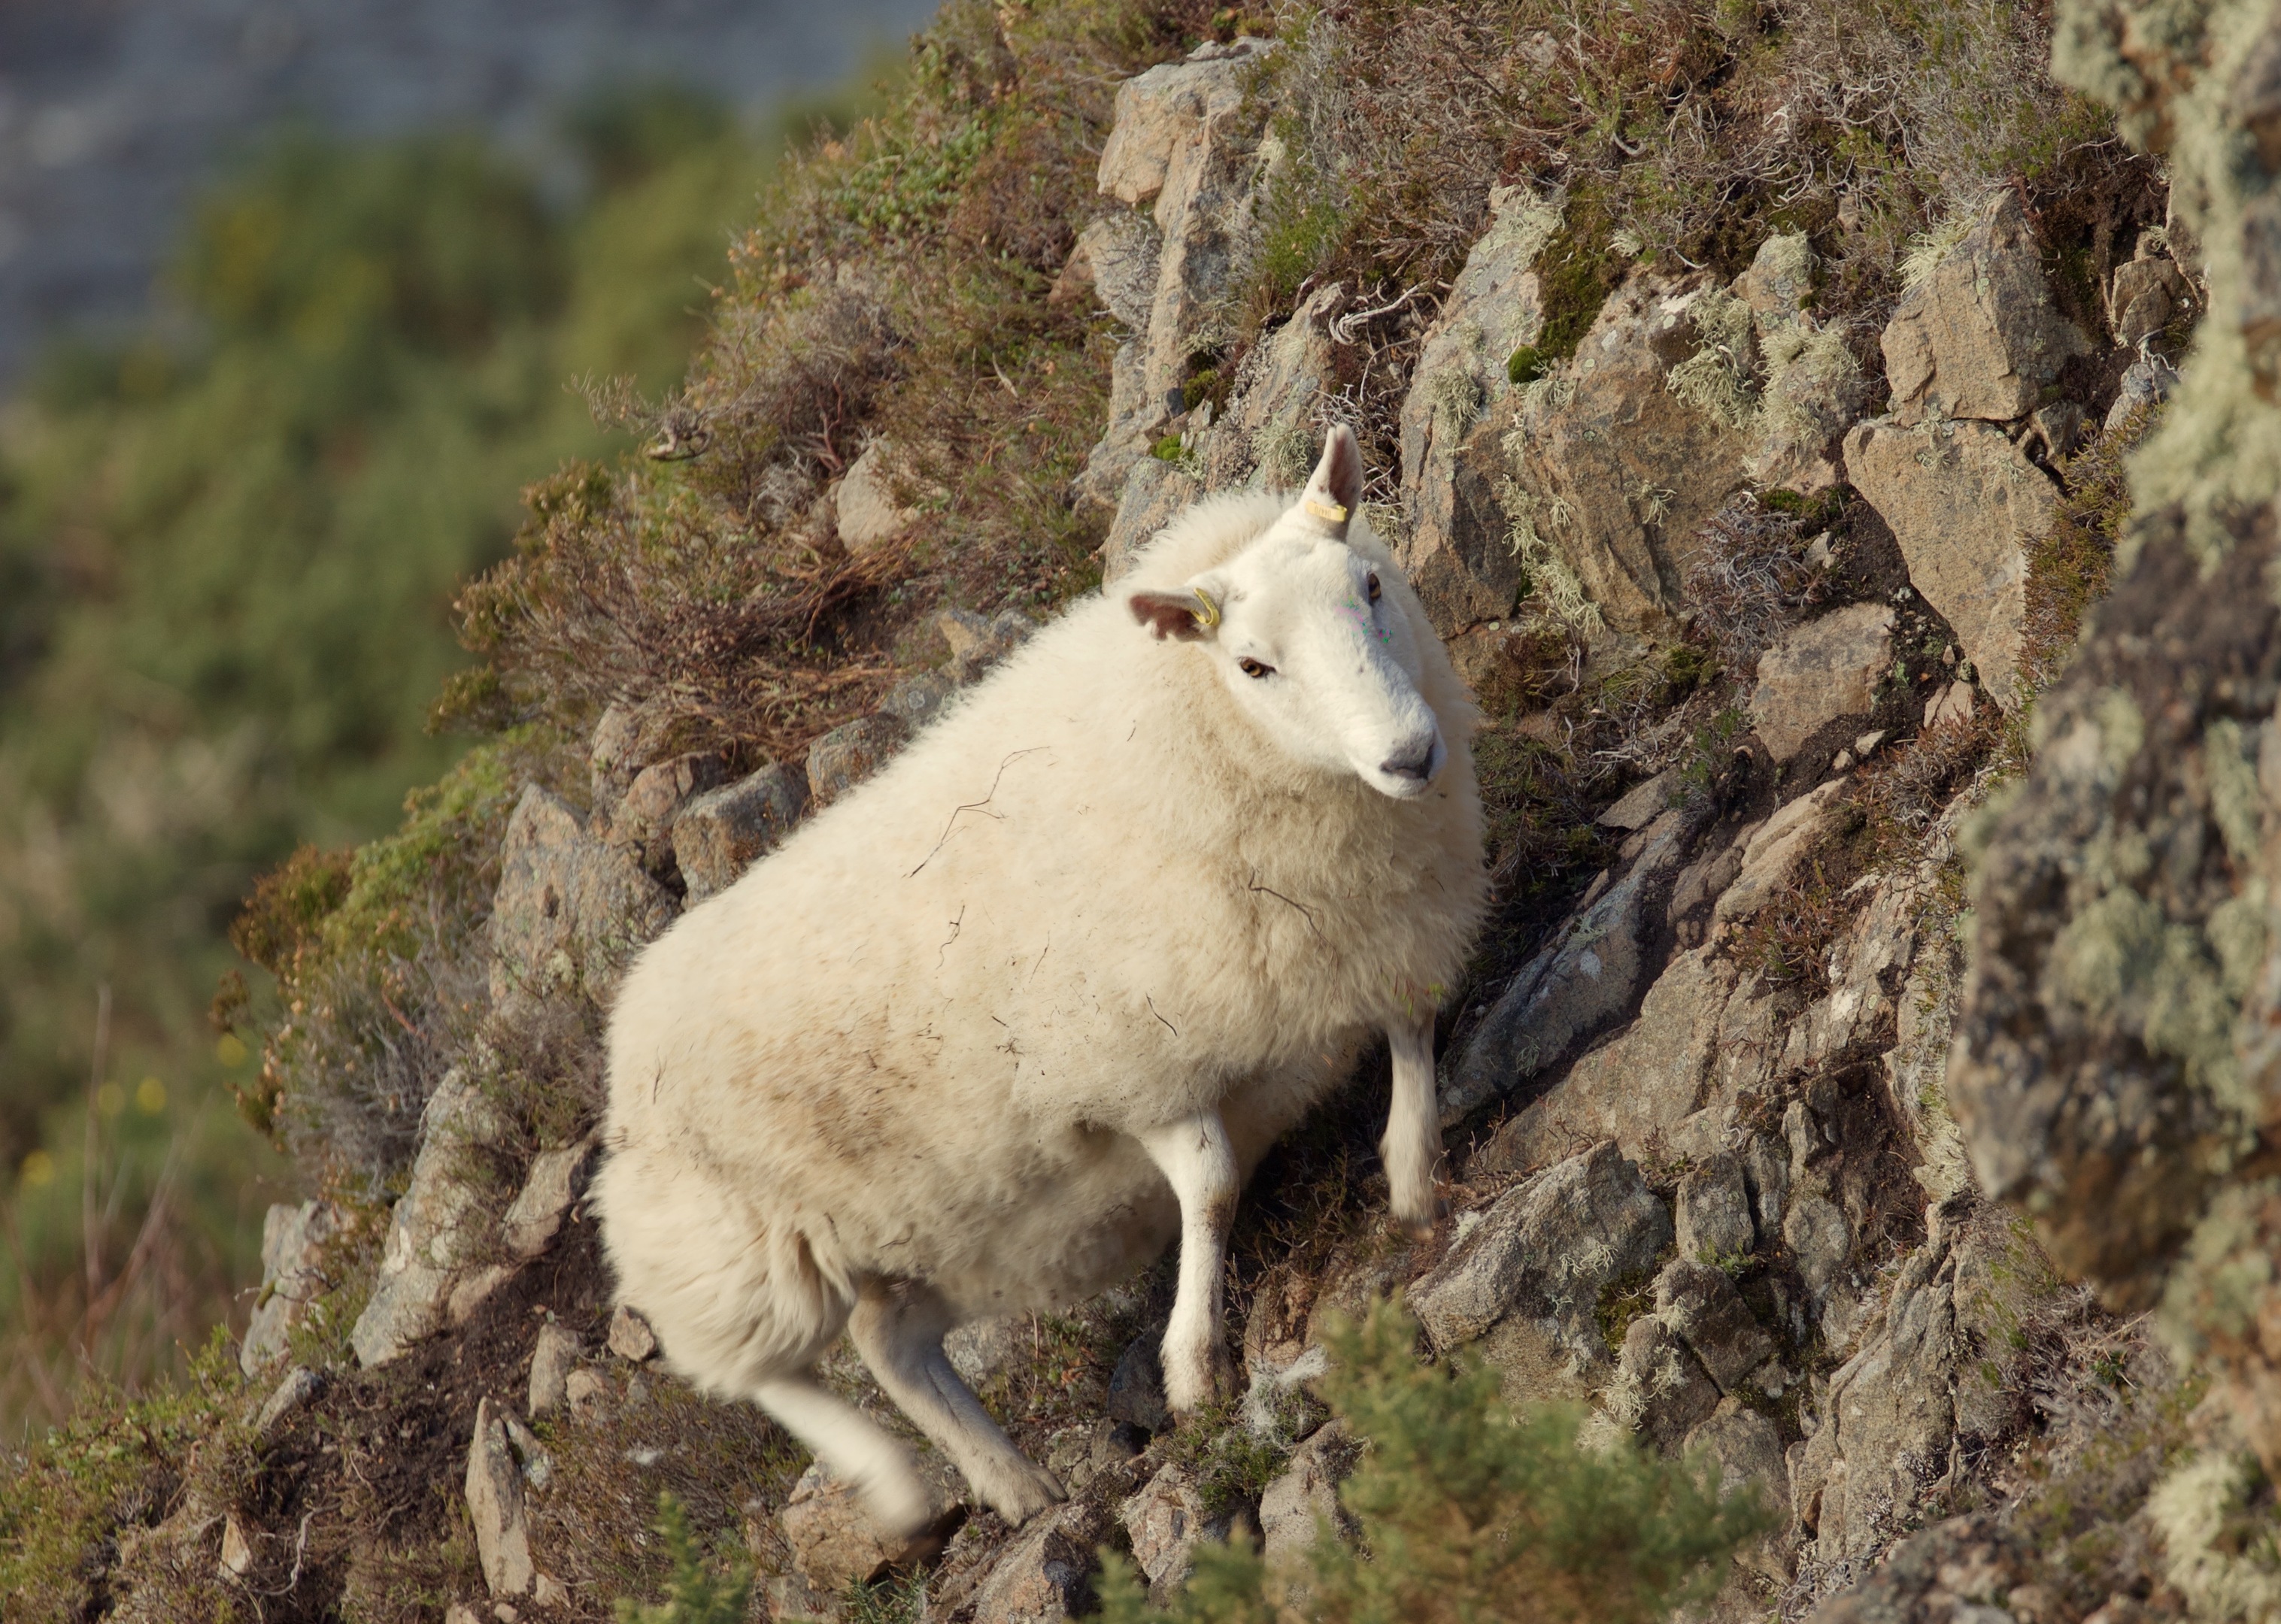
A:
1469	1511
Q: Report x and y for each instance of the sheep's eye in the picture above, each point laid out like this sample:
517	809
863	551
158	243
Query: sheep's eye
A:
1252	668
1373	586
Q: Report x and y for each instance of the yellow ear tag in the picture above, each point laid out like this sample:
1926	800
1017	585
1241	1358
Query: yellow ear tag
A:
1329	512
1211	610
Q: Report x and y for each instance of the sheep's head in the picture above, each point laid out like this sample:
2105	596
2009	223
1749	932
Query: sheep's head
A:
1311	641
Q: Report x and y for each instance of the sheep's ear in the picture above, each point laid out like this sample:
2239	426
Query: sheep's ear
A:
1191	614
1334	490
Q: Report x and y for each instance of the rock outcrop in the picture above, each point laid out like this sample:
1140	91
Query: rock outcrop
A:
1966	505
438	1228
834	1542
1460	554
556	1178
1641	1087
868	512
571	911
495	1506
1826	669
1525	1284
725	831
293	1276
1184	149
1166	1520
1584	479
1979	335
1591	970
1304	1499
1614	471
840	759
1812	387
2113	1052
2115	1069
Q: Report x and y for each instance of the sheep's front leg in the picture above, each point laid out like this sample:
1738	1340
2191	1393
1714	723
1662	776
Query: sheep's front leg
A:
1413	1145
1198	1162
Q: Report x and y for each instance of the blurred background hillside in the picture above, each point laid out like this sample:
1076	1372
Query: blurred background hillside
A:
293	299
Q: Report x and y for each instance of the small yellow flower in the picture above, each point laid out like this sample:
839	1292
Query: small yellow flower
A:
150	1097
39	1169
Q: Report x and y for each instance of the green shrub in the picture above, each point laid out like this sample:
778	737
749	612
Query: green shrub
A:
695	1594
1469	1511
111	1472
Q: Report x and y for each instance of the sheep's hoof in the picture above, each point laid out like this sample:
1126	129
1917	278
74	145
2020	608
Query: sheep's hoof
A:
1023	1492
1201	1381
1418	1223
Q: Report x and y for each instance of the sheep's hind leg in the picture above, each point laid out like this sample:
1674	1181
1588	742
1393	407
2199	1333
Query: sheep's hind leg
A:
853	1447
1413	1145
1195	1157
898	1327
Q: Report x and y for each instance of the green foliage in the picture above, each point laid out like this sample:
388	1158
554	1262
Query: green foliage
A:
383	942
237	542
1578	270
906	181
695	1594
893	287
725	1465
2222	1535
110	1469
2071	566
1530	829
890	1601
447	840
433	244
1623	1300
1232	1463
1708	755
1303	222
1823	510
1468	1511
1653	133
1230	1585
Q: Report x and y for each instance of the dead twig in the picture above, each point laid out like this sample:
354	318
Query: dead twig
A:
90	1231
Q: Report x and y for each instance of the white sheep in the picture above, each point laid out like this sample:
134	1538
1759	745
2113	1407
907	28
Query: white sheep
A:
990	1031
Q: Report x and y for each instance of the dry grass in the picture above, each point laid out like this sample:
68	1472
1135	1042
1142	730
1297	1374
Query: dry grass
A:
1749	579
1903	791
113	1263
2110	1414
617	597
1675	133
1888	810
1787	942
716	1458
380	962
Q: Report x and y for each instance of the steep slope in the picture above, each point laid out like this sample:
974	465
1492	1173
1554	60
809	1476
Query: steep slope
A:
1750	390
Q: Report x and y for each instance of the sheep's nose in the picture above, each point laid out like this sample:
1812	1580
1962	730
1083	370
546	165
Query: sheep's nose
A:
1412	761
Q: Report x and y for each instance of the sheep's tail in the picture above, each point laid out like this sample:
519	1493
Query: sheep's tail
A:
852	1448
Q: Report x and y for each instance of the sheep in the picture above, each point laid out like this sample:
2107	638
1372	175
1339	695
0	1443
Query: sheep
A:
992	1029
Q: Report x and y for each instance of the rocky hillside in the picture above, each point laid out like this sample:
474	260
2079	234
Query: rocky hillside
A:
1874	1024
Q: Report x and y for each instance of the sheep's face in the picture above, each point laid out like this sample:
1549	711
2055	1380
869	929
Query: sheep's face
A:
1311	641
